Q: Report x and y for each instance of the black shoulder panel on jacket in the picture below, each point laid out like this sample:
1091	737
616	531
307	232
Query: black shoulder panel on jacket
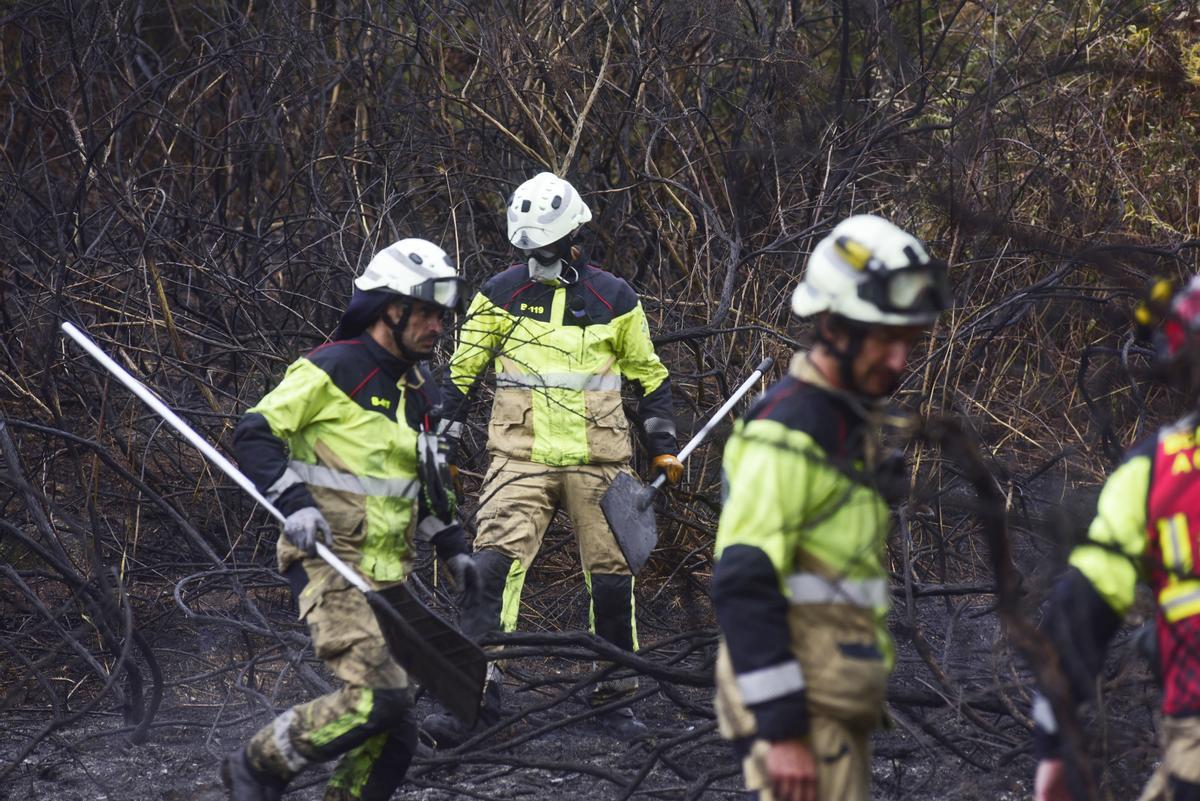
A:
354	370
501	288
804	407
610	290
1143	447
346	362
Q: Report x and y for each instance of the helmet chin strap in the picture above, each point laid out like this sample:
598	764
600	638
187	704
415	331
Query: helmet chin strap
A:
398	328
845	357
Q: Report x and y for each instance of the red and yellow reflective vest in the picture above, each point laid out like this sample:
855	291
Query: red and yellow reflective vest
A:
1147	527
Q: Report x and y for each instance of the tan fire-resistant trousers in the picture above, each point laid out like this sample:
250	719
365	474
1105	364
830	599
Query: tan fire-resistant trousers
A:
1181	758
367	722
518	499
843	756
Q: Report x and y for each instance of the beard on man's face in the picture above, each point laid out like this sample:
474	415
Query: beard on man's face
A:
878	382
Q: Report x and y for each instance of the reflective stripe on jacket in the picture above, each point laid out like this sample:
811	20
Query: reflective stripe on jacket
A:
560	354
800	588
339	432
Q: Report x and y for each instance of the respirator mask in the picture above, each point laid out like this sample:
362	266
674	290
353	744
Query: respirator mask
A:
546	263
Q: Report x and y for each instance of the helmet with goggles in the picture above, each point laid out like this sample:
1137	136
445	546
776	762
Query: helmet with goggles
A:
870	271
417	269
544	210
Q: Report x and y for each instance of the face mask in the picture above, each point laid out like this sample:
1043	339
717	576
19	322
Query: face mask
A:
544	272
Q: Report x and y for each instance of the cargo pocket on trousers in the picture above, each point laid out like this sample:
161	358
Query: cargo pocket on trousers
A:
607	427
338	620
851	684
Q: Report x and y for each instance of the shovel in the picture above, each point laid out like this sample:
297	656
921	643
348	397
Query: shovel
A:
439	656
627	504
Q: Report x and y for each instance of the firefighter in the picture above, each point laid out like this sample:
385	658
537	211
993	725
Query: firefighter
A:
1147	528
563	335
345	446
800	585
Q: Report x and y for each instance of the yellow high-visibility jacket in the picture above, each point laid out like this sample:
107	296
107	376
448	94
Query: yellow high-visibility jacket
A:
339	432
800	589
560	354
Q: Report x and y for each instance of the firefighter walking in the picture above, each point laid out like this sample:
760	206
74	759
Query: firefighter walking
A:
1146	528
800	587
562	335
345	446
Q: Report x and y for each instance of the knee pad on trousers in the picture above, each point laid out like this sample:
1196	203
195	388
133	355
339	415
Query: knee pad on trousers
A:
483	616
612	608
1182	790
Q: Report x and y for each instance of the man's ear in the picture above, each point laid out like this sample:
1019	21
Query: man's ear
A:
827	328
394	312
832	331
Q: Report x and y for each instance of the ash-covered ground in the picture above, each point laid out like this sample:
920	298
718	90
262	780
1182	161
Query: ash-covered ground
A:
958	704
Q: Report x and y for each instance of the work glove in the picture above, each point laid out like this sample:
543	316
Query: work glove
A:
301	527
669	463
450	543
465	575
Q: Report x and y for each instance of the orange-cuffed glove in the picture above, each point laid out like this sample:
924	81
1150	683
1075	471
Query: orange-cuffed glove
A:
668	463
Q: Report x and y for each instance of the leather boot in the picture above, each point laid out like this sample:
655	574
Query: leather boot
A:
482	616
245	783
447	731
478	620
612	611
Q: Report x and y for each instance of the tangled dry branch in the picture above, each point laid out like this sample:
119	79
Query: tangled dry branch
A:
196	183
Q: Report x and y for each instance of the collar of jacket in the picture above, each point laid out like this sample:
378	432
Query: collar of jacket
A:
801	368
395	367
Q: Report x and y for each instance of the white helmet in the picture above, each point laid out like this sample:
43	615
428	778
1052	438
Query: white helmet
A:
870	271
414	268
543	210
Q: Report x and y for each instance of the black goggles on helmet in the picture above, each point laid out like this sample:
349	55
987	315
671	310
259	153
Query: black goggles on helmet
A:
445	292
918	288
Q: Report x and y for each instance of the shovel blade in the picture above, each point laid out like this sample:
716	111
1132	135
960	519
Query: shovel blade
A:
630	515
438	655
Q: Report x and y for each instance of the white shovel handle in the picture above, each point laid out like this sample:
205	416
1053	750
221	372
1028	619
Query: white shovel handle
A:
700	436
190	434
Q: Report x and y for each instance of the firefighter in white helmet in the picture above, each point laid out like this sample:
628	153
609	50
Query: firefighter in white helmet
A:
346	447
563	337
800	586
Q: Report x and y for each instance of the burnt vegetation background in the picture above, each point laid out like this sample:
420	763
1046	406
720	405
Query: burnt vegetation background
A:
197	183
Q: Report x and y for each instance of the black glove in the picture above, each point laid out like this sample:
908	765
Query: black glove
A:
301	527
451	546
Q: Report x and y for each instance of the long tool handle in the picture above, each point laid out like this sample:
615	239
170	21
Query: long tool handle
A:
700	436
190	434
